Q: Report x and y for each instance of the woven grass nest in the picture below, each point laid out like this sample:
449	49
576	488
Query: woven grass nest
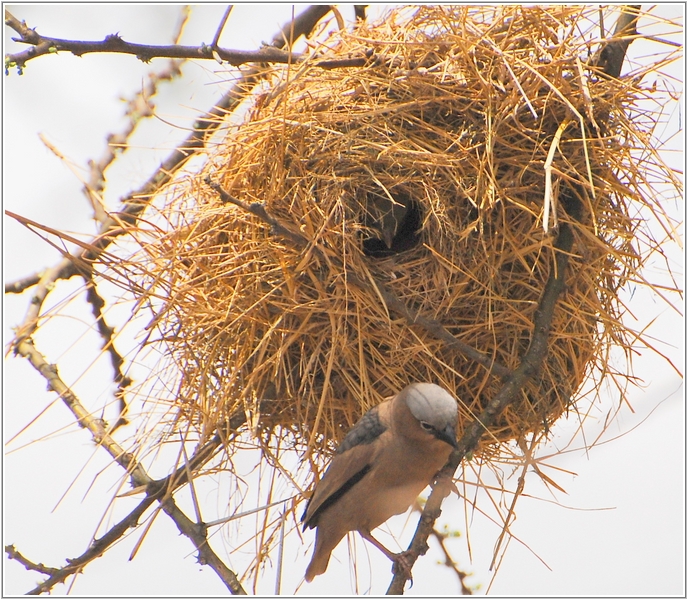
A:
421	174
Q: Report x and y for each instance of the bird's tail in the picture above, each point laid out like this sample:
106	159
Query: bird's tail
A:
317	566
321	557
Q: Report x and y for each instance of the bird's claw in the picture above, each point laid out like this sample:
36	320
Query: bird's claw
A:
402	564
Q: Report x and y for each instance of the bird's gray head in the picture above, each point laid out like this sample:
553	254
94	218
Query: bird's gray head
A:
435	408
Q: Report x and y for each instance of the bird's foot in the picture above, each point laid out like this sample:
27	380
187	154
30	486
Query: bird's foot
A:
402	564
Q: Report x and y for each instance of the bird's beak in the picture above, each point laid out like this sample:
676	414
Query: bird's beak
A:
388	238
448	435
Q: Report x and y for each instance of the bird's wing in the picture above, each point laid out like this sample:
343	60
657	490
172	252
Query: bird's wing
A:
368	428
351	462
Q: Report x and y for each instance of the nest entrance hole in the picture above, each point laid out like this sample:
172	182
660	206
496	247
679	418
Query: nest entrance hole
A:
398	230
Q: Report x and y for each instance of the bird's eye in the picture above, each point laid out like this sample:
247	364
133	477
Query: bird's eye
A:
425	425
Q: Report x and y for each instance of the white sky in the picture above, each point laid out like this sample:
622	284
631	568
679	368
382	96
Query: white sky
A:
620	529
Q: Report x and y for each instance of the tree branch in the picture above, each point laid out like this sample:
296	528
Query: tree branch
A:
508	394
611	55
97	427
139	107
95	550
116	359
114	44
206	556
14	554
449	562
537	350
155	490
136	201
17	287
80	263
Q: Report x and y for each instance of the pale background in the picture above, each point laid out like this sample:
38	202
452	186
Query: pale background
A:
620	530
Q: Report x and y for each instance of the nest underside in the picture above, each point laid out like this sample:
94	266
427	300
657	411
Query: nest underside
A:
423	174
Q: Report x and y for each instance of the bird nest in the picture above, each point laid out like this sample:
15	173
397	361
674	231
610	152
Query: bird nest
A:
360	216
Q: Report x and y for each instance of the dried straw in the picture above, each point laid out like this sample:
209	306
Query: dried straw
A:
488	123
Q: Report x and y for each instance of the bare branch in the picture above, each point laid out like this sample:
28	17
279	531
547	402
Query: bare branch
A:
95	550
611	56
155	490
508	394
107	333
137	201
206	556
14	554
17	287
113	43
221	26
97	427
449	562
302	25
139	107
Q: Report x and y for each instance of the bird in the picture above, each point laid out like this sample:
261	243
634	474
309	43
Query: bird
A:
384	462
386	215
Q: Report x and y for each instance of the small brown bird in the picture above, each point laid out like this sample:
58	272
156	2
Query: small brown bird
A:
386	215
383	464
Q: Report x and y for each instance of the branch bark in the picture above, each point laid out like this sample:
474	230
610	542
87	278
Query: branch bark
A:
114	44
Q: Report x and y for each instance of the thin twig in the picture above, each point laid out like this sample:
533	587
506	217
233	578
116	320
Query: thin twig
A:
154	490
97	427
114	44
14	554
117	360
137	200
95	550
139	107
221	26
449	562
